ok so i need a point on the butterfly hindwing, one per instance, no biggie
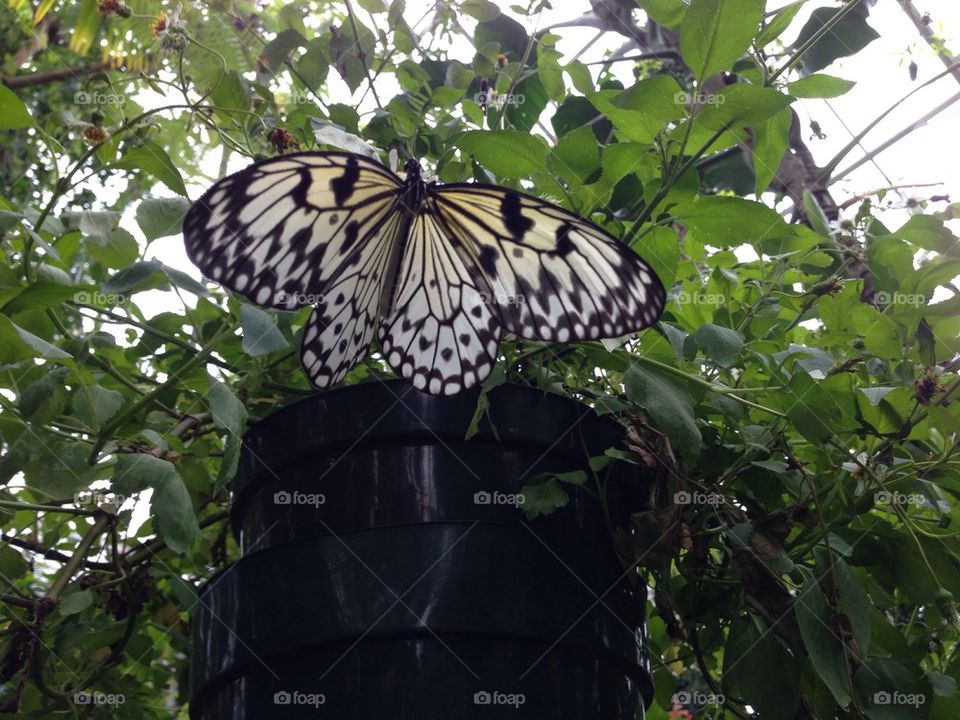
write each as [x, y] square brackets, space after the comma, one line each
[440, 333]
[552, 275]
[280, 231]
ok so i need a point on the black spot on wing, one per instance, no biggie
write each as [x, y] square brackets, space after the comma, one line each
[488, 260]
[342, 187]
[350, 232]
[565, 245]
[513, 218]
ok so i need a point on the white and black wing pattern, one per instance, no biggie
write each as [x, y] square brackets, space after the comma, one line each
[338, 333]
[440, 333]
[552, 275]
[282, 230]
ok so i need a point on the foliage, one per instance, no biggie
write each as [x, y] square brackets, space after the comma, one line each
[795, 406]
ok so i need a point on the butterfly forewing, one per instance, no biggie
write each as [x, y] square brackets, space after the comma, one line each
[552, 275]
[440, 332]
[341, 327]
[282, 230]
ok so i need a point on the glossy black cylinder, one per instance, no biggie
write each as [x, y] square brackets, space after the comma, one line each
[389, 570]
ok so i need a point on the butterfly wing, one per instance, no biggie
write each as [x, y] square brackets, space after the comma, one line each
[341, 327]
[439, 333]
[282, 231]
[551, 275]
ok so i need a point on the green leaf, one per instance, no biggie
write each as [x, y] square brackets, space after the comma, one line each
[822, 643]
[641, 112]
[543, 498]
[117, 250]
[39, 346]
[45, 399]
[779, 23]
[227, 411]
[811, 409]
[278, 50]
[820, 86]
[716, 33]
[260, 332]
[135, 472]
[577, 155]
[771, 138]
[507, 153]
[153, 160]
[94, 405]
[75, 602]
[668, 13]
[847, 37]
[670, 406]
[720, 344]
[482, 10]
[743, 104]
[161, 217]
[730, 221]
[13, 113]
[173, 512]
[12, 566]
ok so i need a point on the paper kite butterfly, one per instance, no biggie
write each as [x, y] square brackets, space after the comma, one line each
[438, 272]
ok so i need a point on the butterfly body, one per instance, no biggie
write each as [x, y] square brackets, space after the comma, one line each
[435, 271]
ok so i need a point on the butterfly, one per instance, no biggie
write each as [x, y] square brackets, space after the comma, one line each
[437, 271]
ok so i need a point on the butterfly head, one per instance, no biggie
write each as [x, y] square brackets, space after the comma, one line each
[412, 169]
